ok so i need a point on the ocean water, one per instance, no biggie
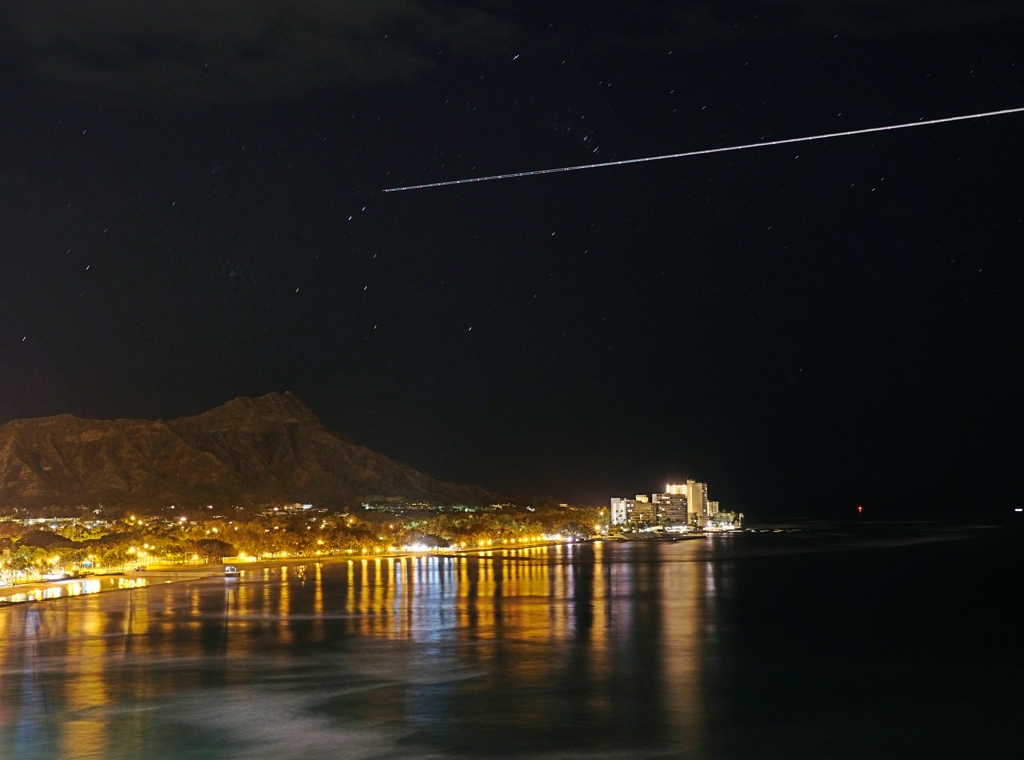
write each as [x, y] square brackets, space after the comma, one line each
[840, 642]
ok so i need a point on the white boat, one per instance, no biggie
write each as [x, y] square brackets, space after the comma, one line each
[230, 571]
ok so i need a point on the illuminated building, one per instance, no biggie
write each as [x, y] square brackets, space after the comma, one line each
[681, 505]
[638, 510]
[618, 511]
[697, 501]
[672, 505]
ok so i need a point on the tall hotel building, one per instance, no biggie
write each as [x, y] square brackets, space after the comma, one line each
[673, 505]
[682, 504]
[697, 499]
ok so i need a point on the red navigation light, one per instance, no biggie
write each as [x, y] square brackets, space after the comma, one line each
[860, 509]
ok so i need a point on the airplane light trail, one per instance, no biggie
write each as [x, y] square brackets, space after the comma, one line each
[709, 151]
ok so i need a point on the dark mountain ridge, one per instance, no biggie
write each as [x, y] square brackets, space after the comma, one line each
[270, 449]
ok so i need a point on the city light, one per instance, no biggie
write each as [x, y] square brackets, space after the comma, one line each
[683, 507]
[268, 536]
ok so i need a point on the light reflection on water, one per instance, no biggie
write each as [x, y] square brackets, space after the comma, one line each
[841, 645]
[530, 650]
[72, 588]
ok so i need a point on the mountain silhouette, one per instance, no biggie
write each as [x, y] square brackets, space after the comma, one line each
[249, 451]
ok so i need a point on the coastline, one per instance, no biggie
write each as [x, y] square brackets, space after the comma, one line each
[68, 588]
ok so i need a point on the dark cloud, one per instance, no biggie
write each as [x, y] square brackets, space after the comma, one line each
[253, 50]
[704, 24]
[241, 49]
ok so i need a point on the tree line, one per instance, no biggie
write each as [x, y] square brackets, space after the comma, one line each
[134, 541]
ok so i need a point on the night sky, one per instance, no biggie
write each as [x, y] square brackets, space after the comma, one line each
[191, 210]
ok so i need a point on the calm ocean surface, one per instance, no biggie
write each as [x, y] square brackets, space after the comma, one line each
[880, 642]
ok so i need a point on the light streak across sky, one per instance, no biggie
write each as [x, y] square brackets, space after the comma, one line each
[687, 154]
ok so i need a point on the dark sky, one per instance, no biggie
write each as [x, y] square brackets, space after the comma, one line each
[191, 210]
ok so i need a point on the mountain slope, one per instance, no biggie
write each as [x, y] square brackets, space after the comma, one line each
[250, 450]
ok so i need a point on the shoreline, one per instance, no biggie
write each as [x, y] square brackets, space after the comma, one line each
[45, 591]
[69, 588]
[102, 583]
